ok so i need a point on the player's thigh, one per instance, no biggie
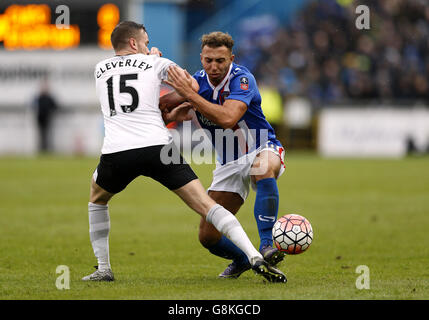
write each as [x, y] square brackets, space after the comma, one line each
[116, 170]
[267, 164]
[173, 174]
[233, 179]
[108, 178]
[231, 201]
[195, 196]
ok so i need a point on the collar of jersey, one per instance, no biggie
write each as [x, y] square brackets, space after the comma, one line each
[220, 85]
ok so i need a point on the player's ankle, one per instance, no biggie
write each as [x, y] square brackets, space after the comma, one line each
[104, 266]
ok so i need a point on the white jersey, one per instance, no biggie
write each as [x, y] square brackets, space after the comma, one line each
[128, 89]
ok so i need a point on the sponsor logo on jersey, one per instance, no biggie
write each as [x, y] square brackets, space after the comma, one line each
[206, 121]
[244, 83]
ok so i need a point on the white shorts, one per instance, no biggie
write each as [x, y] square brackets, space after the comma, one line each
[234, 176]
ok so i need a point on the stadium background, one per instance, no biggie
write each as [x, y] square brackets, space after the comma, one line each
[350, 105]
[326, 85]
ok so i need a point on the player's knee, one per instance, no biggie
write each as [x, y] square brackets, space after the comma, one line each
[207, 242]
[269, 173]
[267, 165]
[99, 201]
[98, 195]
[98, 198]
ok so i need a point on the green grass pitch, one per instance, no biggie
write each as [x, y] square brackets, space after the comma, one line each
[363, 212]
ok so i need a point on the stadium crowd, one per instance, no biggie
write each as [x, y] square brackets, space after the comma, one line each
[323, 56]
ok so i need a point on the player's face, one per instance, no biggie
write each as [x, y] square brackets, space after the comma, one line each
[216, 62]
[142, 42]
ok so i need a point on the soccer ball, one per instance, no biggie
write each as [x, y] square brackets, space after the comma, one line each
[292, 234]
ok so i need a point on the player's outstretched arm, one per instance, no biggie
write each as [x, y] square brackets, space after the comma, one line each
[178, 114]
[170, 100]
[226, 117]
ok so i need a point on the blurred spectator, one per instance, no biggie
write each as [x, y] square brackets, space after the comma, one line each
[272, 106]
[45, 107]
[323, 56]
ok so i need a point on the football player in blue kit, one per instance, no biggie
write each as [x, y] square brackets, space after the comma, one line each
[228, 98]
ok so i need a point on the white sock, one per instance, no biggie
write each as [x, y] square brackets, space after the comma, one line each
[226, 223]
[99, 227]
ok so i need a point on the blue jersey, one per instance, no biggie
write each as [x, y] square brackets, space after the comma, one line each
[252, 130]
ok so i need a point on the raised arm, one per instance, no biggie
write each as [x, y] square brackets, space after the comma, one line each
[226, 115]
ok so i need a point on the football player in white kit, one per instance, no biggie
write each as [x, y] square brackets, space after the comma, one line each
[128, 87]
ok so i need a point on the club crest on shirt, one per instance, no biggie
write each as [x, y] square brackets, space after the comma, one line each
[244, 83]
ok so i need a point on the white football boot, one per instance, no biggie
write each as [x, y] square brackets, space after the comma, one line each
[98, 275]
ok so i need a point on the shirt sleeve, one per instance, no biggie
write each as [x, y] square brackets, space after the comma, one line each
[162, 67]
[242, 88]
[199, 75]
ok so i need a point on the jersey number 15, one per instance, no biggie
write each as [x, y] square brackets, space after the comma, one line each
[123, 88]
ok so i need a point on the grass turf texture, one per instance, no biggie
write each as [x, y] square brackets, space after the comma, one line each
[363, 212]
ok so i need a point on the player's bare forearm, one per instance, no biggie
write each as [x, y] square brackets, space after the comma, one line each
[178, 114]
[226, 115]
[170, 100]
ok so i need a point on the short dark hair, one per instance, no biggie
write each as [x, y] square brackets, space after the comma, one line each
[123, 32]
[217, 39]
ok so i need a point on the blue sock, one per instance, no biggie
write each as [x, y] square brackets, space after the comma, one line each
[266, 209]
[225, 248]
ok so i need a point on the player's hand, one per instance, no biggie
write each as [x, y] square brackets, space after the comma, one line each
[179, 114]
[180, 80]
[155, 51]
